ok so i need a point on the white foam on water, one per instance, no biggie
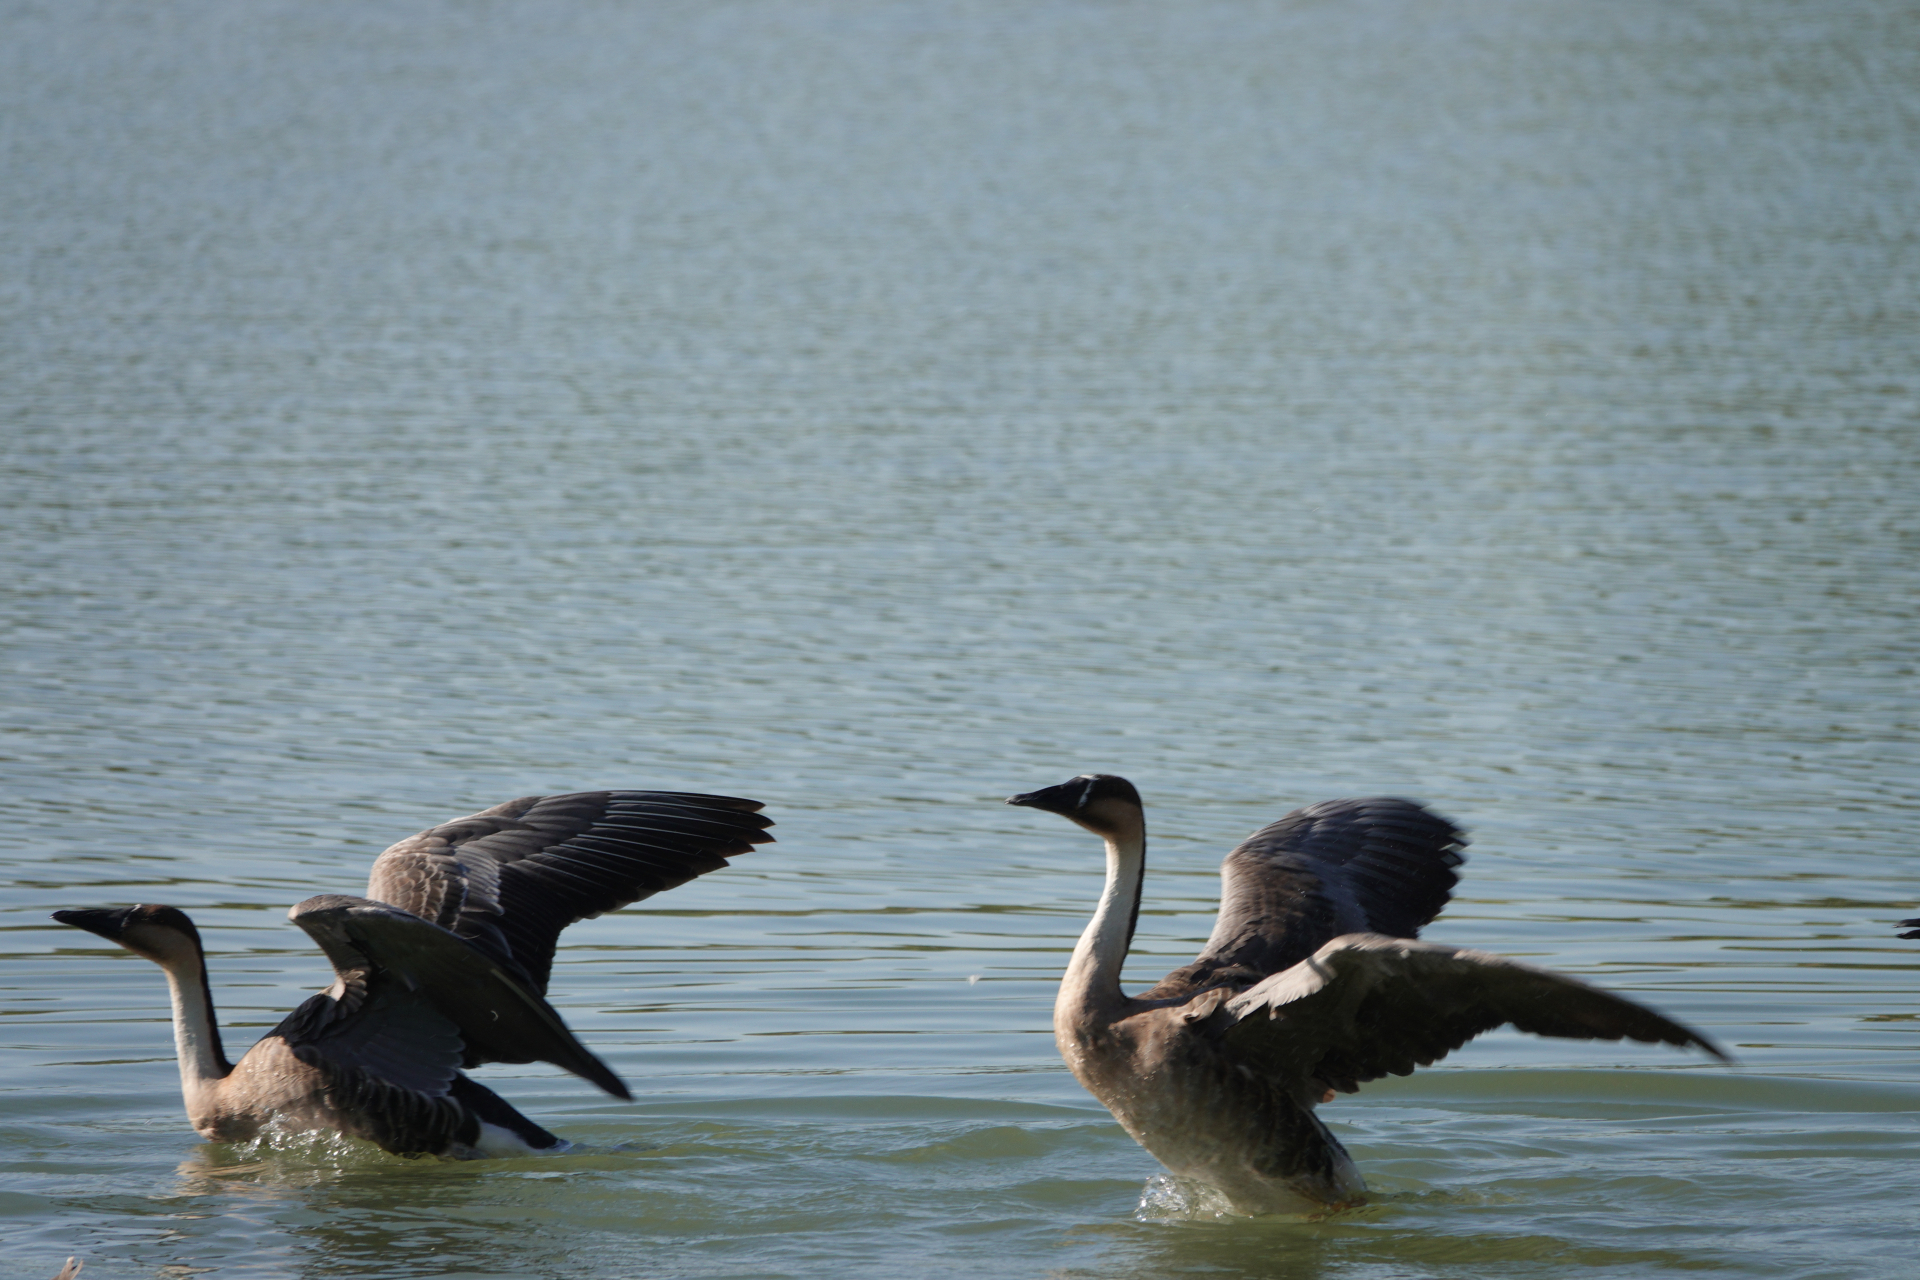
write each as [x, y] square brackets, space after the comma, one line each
[1167, 1198]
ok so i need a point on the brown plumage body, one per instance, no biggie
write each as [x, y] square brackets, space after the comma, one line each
[1310, 984]
[1203, 1115]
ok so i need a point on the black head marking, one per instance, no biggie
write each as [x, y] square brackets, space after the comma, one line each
[1075, 794]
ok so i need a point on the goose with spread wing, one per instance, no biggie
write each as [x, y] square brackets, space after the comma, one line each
[441, 967]
[1311, 982]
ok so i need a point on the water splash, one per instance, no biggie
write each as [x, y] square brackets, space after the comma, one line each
[321, 1147]
[1167, 1198]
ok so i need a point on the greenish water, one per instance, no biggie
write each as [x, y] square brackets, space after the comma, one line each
[877, 409]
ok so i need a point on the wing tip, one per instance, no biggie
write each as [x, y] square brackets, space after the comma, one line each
[596, 1072]
[1695, 1040]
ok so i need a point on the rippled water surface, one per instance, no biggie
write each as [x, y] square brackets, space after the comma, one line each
[876, 409]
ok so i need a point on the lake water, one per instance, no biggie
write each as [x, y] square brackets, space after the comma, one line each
[878, 409]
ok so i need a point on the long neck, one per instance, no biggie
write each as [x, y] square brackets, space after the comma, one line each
[1092, 981]
[195, 1037]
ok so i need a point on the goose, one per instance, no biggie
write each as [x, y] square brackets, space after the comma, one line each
[441, 967]
[1311, 982]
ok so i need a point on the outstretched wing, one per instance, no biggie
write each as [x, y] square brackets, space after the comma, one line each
[1365, 1006]
[1375, 865]
[497, 1017]
[1912, 928]
[510, 878]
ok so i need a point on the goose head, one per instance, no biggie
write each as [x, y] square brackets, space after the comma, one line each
[161, 934]
[1104, 803]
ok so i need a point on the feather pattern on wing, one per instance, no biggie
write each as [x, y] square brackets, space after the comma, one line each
[510, 878]
[1365, 1006]
[1375, 865]
[398, 1119]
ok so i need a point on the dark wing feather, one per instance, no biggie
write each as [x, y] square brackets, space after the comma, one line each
[1912, 927]
[387, 1061]
[399, 1120]
[1375, 865]
[370, 1022]
[510, 878]
[1365, 1006]
[498, 1018]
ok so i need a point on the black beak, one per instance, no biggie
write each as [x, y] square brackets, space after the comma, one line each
[1063, 799]
[108, 922]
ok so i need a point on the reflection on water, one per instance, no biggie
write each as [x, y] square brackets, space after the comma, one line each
[878, 410]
